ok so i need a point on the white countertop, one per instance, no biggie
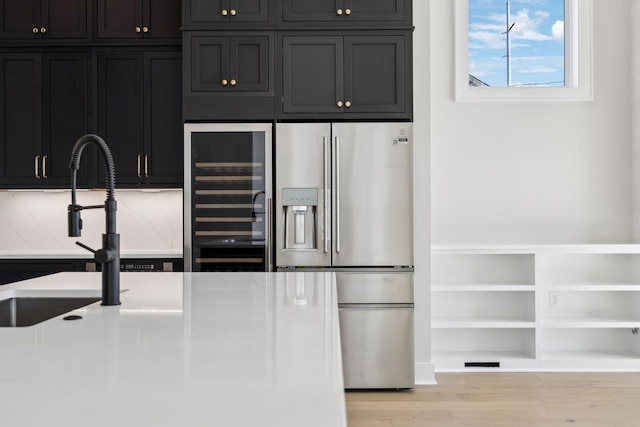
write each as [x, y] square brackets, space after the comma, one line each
[84, 254]
[183, 349]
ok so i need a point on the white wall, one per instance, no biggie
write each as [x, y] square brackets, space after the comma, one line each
[533, 172]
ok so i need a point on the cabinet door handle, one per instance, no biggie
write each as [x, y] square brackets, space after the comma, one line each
[339, 104]
[347, 11]
[347, 104]
[139, 158]
[35, 30]
[233, 12]
[224, 12]
[233, 82]
[339, 12]
[36, 167]
[138, 29]
[145, 29]
[44, 167]
[146, 165]
[224, 82]
[43, 30]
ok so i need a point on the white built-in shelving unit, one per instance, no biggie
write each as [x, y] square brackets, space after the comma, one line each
[536, 307]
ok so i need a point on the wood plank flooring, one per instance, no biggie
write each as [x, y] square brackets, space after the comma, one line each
[504, 400]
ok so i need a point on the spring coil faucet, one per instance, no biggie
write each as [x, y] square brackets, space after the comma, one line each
[109, 255]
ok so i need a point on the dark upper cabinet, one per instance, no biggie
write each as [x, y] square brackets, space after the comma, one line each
[140, 117]
[43, 19]
[137, 19]
[229, 75]
[347, 12]
[207, 14]
[43, 111]
[347, 77]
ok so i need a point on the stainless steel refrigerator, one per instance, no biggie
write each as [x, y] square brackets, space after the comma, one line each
[344, 201]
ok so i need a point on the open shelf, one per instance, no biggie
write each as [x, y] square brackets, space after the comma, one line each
[536, 308]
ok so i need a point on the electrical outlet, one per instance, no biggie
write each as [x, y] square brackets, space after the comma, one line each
[554, 299]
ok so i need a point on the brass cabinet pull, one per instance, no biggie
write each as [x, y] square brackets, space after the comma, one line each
[224, 12]
[43, 30]
[35, 30]
[224, 82]
[145, 29]
[233, 12]
[36, 167]
[347, 104]
[339, 104]
[139, 157]
[146, 165]
[347, 11]
[339, 12]
[233, 82]
[138, 29]
[44, 167]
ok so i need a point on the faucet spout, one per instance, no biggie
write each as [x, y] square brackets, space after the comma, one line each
[109, 255]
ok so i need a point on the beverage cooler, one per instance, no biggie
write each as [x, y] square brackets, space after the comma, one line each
[227, 197]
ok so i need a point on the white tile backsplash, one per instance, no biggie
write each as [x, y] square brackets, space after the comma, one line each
[37, 220]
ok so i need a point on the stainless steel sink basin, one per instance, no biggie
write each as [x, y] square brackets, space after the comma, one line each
[30, 310]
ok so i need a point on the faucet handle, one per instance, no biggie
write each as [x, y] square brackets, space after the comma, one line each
[101, 255]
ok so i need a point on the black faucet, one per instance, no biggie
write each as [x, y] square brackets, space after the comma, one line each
[109, 255]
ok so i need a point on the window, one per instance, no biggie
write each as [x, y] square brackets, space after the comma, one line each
[542, 52]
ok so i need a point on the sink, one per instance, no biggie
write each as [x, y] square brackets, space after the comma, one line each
[29, 310]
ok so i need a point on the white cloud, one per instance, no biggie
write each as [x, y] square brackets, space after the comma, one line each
[558, 30]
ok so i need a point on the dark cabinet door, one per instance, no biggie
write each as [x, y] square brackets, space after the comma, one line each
[135, 19]
[347, 77]
[312, 74]
[43, 113]
[163, 138]
[375, 74]
[227, 11]
[64, 19]
[120, 113]
[43, 19]
[140, 116]
[20, 119]
[229, 75]
[361, 12]
[64, 116]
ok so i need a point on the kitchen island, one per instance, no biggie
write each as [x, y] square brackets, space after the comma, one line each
[183, 349]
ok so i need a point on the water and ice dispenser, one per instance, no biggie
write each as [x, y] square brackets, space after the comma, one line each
[300, 210]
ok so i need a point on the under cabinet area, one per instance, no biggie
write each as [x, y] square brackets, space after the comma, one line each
[528, 308]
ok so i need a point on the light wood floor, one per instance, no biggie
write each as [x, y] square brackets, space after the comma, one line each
[504, 400]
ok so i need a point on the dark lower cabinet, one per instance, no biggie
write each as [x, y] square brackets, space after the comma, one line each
[43, 111]
[43, 19]
[140, 116]
[229, 75]
[347, 77]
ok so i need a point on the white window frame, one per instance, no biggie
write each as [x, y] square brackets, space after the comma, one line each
[578, 64]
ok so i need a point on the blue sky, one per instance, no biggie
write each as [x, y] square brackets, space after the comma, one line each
[537, 42]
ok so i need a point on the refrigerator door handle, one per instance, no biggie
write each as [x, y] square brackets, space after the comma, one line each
[269, 266]
[325, 147]
[337, 190]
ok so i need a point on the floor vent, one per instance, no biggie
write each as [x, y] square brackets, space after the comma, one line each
[481, 364]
